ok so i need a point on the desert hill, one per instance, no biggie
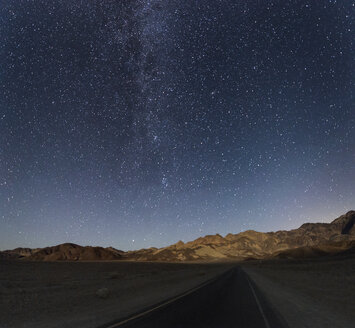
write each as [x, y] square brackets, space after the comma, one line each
[313, 238]
[73, 252]
[331, 248]
[309, 240]
[17, 253]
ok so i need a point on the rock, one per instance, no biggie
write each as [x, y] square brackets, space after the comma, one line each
[103, 293]
[114, 275]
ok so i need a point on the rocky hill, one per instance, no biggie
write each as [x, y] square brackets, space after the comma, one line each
[17, 253]
[309, 240]
[73, 252]
[332, 248]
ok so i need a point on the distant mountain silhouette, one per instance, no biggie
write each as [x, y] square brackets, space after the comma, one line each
[17, 253]
[73, 252]
[309, 240]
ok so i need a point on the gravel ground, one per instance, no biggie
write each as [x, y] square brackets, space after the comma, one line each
[317, 293]
[89, 294]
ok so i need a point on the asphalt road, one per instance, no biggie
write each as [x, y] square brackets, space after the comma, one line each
[232, 300]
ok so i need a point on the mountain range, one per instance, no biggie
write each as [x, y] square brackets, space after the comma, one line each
[309, 240]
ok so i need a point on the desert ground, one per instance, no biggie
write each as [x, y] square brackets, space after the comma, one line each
[64, 294]
[309, 293]
[318, 292]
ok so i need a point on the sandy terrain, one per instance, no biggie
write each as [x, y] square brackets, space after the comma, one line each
[309, 293]
[63, 294]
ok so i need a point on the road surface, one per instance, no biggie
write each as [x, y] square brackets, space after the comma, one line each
[231, 300]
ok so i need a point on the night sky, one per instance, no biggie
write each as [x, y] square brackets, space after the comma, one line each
[138, 123]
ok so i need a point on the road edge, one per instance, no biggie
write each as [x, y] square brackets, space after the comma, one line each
[265, 301]
[120, 322]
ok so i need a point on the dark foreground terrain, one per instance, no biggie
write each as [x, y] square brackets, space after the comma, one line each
[90, 294]
[309, 293]
[316, 292]
[231, 300]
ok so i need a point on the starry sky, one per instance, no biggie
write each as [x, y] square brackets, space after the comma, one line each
[142, 122]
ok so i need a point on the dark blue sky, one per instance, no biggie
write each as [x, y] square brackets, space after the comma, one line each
[139, 123]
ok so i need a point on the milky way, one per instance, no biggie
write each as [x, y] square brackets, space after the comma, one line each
[139, 123]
